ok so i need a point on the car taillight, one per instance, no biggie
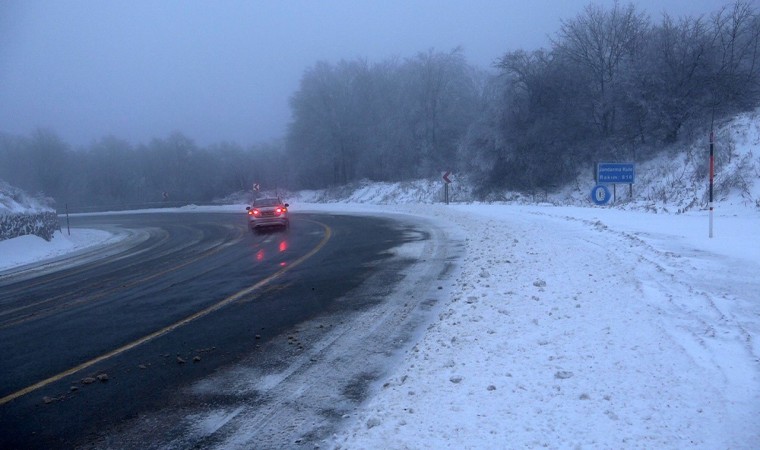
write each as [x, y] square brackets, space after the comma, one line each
[254, 212]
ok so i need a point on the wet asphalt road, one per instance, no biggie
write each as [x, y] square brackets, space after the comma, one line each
[91, 345]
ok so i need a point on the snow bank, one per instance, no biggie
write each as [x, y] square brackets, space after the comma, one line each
[32, 249]
[581, 327]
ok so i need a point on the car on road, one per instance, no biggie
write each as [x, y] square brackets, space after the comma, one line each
[268, 212]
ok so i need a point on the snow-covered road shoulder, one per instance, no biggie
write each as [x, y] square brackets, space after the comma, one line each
[582, 327]
[21, 251]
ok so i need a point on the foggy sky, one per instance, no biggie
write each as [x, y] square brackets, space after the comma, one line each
[224, 70]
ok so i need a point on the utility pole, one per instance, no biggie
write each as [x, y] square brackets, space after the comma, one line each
[712, 175]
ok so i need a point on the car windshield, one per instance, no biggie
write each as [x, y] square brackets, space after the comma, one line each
[267, 202]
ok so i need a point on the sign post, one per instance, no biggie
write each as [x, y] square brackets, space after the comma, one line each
[614, 173]
[68, 224]
[446, 182]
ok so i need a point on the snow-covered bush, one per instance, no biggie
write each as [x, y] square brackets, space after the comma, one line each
[43, 224]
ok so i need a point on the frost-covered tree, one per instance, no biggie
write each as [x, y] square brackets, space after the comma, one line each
[602, 41]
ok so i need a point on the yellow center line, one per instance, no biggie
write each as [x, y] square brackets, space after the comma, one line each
[232, 298]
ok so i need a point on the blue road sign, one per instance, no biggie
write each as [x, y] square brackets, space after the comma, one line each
[600, 194]
[611, 173]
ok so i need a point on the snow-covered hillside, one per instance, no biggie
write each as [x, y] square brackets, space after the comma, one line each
[678, 181]
[16, 201]
[675, 181]
[22, 215]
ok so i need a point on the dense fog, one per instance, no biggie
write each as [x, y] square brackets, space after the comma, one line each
[612, 85]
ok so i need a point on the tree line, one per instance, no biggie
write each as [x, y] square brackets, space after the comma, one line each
[112, 172]
[613, 85]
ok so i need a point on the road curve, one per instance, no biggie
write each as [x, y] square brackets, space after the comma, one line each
[92, 343]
